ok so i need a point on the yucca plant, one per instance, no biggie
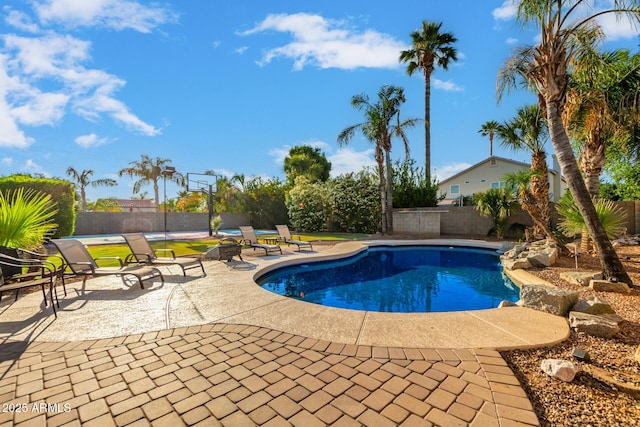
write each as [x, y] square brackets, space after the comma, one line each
[25, 218]
[571, 222]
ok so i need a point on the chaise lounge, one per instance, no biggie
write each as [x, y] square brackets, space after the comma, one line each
[81, 263]
[143, 253]
[285, 236]
[249, 239]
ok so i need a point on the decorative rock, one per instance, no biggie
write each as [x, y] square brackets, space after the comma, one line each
[547, 298]
[606, 286]
[598, 326]
[545, 257]
[560, 369]
[593, 305]
[536, 254]
[581, 278]
[515, 264]
[613, 317]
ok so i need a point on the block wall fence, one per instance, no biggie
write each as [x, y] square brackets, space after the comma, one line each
[421, 222]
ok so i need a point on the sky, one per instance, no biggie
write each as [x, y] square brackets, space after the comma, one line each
[232, 86]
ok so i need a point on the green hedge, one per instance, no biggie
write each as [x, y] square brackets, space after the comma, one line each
[62, 194]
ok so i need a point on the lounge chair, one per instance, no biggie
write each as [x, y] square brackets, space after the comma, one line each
[27, 273]
[143, 253]
[32, 257]
[285, 236]
[81, 263]
[249, 239]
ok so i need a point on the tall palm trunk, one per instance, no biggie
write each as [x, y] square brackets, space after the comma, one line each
[83, 196]
[383, 193]
[540, 190]
[389, 196]
[427, 123]
[611, 265]
[592, 160]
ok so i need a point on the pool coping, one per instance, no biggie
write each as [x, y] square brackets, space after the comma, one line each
[500, 328]
[229, 294]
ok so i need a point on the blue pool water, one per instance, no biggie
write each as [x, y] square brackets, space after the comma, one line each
[406, 279]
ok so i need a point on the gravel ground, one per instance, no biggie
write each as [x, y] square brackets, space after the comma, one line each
[586, 401]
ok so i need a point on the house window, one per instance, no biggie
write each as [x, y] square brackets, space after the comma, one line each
[493, 163]
[498, 184]
[454, 189]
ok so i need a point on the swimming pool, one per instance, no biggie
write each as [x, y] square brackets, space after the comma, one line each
[406, 279]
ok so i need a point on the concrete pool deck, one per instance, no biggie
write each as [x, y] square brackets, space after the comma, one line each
[121, 322]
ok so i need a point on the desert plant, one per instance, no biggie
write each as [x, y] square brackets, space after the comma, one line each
[571, 222]
[216, 223]
[26, 218]
[498, 204]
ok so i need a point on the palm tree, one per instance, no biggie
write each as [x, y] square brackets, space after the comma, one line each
[498, 204]
[83, 179]
[597, 112]
[429, 48]
[150, 171]
[546, 67]
[528, 131]
[379, 128]
[519, 183]
[489, 129]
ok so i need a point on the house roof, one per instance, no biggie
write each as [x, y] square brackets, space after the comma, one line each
[136, 203]
[479, 164]
[487, 160]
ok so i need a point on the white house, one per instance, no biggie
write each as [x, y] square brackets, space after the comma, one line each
[489, 174]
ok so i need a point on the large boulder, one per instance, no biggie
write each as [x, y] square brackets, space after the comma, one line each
[581, 278]
[537, 254]
[590, 324]
[549, 299]
[593, 305]
[606, 286]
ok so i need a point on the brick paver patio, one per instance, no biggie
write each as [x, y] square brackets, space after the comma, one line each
[238, 375]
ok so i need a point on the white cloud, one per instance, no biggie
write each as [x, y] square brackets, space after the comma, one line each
[279, 154]
[90, 140]
[6, 161]
[447, 171]
[328, 43]
[616, 29]
[613, 27]
[241, 50]
[114, 14]
[346, 160]
[506, 11]
[511, 41]
[448, 86]
[20, 21]
[57, 62]
[32, 167]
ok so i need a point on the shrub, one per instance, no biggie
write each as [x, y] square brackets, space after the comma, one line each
[26, 218]
[571, 222]
[411, 189]
[355, 203]
[309, 205]
[62, 195]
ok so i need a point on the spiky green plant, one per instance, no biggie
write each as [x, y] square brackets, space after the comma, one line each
[216, 223]
[498, 204]
[571, 222]
[25, 218]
